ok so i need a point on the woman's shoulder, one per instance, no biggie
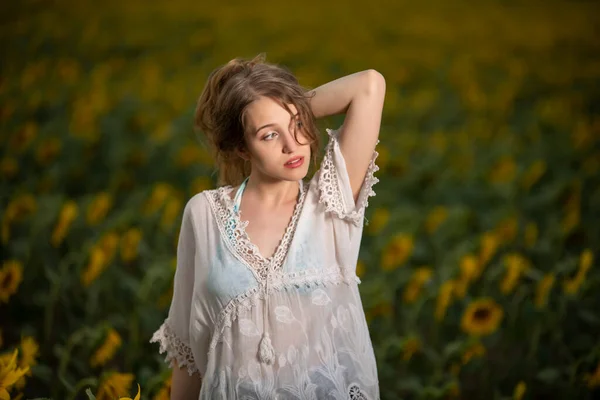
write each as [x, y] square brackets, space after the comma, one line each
[201, 200]
[198, 202]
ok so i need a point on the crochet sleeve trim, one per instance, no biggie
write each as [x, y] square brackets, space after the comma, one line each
[175, 348]
[329, 183]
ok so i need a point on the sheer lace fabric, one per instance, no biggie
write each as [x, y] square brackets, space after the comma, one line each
[334, 183]
[176, 349]
[315, 317]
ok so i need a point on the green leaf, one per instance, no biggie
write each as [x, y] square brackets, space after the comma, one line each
[589, 317]
[411, 384]
[452, 348]
[548, 375]
[432, 392]
[43, 372]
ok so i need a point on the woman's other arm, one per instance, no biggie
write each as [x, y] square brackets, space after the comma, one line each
[184, 386]
[360, 96]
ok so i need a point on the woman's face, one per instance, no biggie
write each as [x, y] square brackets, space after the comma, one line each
[270, 133]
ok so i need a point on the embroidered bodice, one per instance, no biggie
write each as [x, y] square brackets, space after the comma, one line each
[290, 326]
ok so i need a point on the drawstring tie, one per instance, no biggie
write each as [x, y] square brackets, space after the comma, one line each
[266, 352]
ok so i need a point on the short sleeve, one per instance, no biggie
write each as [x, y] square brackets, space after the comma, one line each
[335, 191]
[173, 335]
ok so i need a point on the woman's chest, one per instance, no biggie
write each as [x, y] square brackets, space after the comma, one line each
[298, 245]
[232, 272]
[266, 227]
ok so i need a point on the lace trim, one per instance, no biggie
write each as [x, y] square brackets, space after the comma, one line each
[233, 230]
[330, 192]
[175, 348]
[355, 392]
[311, 277]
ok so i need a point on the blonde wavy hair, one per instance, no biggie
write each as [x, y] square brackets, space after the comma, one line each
[221, 108]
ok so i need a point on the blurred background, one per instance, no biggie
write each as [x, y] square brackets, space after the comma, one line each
[479, 263]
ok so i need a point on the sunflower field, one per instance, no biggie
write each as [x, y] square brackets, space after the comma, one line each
[479, 260]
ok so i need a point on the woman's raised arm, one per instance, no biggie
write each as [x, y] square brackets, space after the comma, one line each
[360, 96]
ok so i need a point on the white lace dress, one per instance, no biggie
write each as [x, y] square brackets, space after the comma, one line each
[224, 289]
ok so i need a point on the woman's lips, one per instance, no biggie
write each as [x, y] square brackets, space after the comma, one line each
[295, 164]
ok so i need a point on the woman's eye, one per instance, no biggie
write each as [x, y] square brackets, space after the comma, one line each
[266, 136]
[299, 124]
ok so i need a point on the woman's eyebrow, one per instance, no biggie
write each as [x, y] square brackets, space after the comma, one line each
[272, 124]
[264, 126]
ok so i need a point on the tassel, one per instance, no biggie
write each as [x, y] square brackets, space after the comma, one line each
[266, 353]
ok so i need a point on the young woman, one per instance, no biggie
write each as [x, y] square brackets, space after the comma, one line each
[267, 306]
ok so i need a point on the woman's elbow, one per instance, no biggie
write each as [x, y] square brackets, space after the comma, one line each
[375, 82]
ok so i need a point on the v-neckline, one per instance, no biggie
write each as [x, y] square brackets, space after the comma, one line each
[245, 246]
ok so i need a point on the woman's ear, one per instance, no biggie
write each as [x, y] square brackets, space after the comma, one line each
[243, 154]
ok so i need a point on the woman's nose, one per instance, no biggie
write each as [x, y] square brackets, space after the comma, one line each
[289, 141]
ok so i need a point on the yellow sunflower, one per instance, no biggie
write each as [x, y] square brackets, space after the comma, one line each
[593, 380]
[200, 184]
[419, 278]
[10, 373]
[571, 285]
[189, 155]
[411, 346]
[137, 396]
[519, 391]
[113, 385]
[435, 218]
[543, 290]
[397, 251]
[360, 269]
[130, 244]
[379, 220]
[482, 317]
[98, 208]
[515, 265]
[165, 390]
[11, 276]
[107, 350]
[533, 173]
[488, 245]
[109, 243]
[531, 234]
[96, 265]
[160, 194]
[444, 299]
[507, 229]
[8, 167]
[475, 350]
[47, 151]
[172, 208]
[67, 215]
[29, 353]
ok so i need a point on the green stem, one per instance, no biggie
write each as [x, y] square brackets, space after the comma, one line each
[537, 330]
[63, 268]
[75, 338]
[133, 337]
[80, 385]
[65, 383]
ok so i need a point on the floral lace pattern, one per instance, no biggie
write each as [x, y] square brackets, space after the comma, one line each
[233, 231]
[175, 348]
[338, 364]
[330, 192]
[355, 393]
[308, 278]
